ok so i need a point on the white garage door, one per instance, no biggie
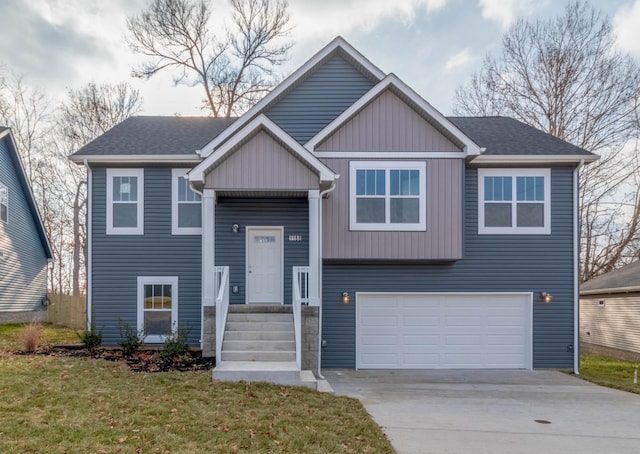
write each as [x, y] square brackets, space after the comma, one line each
[440, 331]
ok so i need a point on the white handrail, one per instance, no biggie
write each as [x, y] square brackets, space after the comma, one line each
[300, 296]
[221, 281]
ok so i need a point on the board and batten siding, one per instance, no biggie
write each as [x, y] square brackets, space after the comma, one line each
[613, 324]
[320, 98]
[118, 260]
[490, 263]
[230, 248]
[262, 163]
[442, 239]
[387, 124]
[23, 261]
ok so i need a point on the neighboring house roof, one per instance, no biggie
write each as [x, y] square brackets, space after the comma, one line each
[147, 136]
[5, 134]
[501, 136]
[622, 280]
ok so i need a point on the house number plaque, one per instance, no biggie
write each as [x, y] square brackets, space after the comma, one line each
[295, 237]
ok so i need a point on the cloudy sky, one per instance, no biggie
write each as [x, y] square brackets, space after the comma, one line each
[433, 45]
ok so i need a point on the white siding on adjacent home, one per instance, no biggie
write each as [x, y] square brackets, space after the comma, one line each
[442, 239]
[613, 324]
[262, 163]
[387, 124]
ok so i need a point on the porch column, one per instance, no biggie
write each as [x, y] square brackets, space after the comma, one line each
[314, 247]
[208, 247]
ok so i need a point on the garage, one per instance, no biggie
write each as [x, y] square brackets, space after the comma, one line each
[443, 330]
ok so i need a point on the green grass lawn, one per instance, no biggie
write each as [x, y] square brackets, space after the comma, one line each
[610, 372]
[66, 405]
[49, 334]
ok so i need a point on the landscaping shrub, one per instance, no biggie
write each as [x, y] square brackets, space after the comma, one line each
[30, 337]
[91, 338]
[175, 345]
[130, 339]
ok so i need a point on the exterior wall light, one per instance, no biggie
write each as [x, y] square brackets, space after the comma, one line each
[345, 298]
[235, 228]
[546, 297]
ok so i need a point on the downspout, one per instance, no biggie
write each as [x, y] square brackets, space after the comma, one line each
[320, 235]
[194, 189]
[576, 270]
[89, 263]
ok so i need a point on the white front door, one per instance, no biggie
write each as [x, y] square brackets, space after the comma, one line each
[264, 265]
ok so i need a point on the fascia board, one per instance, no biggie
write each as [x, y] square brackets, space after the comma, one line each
[338, 42]
[533, 159]
[137, 158]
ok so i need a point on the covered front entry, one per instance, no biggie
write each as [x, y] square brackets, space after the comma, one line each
[264, 265]
[445, 330]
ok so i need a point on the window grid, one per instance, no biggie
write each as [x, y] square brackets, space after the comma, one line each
[527, 199]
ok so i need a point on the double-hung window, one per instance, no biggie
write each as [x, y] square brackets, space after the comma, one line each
[4, 203]
[387, 195]
[125, 201]
[186, 213]
[514, 201]
[157, 307]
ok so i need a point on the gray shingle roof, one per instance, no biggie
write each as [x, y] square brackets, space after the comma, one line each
[147, 135]
[625, 277]
[506, 136]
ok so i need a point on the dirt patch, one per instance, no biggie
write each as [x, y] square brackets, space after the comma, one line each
[140, 361]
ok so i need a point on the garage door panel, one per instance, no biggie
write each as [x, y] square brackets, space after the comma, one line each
[443, 331]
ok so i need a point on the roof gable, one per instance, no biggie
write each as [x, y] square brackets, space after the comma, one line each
[411, 99]
[261, 123]
[336, 47]
[7, 137]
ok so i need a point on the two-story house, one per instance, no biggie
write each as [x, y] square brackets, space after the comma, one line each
[397, 237]
[24, 248]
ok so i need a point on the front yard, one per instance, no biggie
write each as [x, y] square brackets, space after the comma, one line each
[60, 405]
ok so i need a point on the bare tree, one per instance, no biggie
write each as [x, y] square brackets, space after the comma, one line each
[236, 68]
[565, 77]
[87, 113]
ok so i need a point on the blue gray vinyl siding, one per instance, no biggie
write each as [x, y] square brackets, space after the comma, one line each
[490, 263]
[293, 214]
[320, 98]
[118, 260]
[23, 261]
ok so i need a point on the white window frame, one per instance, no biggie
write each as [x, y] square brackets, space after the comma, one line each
[5, 189]
[157, 280]
[420, 166]
[175, 229]
[139, 230]
[514, 229]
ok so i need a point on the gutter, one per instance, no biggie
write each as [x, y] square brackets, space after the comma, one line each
[603, 291]
[320, 235]
[576, 270]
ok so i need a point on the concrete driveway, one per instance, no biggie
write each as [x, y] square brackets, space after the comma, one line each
[494, 411]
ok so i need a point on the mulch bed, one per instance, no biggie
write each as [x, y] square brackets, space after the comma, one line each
[140, 361]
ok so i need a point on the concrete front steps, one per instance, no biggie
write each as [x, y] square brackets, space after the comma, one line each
[259, 346]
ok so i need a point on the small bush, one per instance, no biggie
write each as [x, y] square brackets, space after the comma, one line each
[130, 339]
[91, 338]
[175, 345]
[30, 337]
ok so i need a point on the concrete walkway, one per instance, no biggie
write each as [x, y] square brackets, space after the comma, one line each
[494, 411]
